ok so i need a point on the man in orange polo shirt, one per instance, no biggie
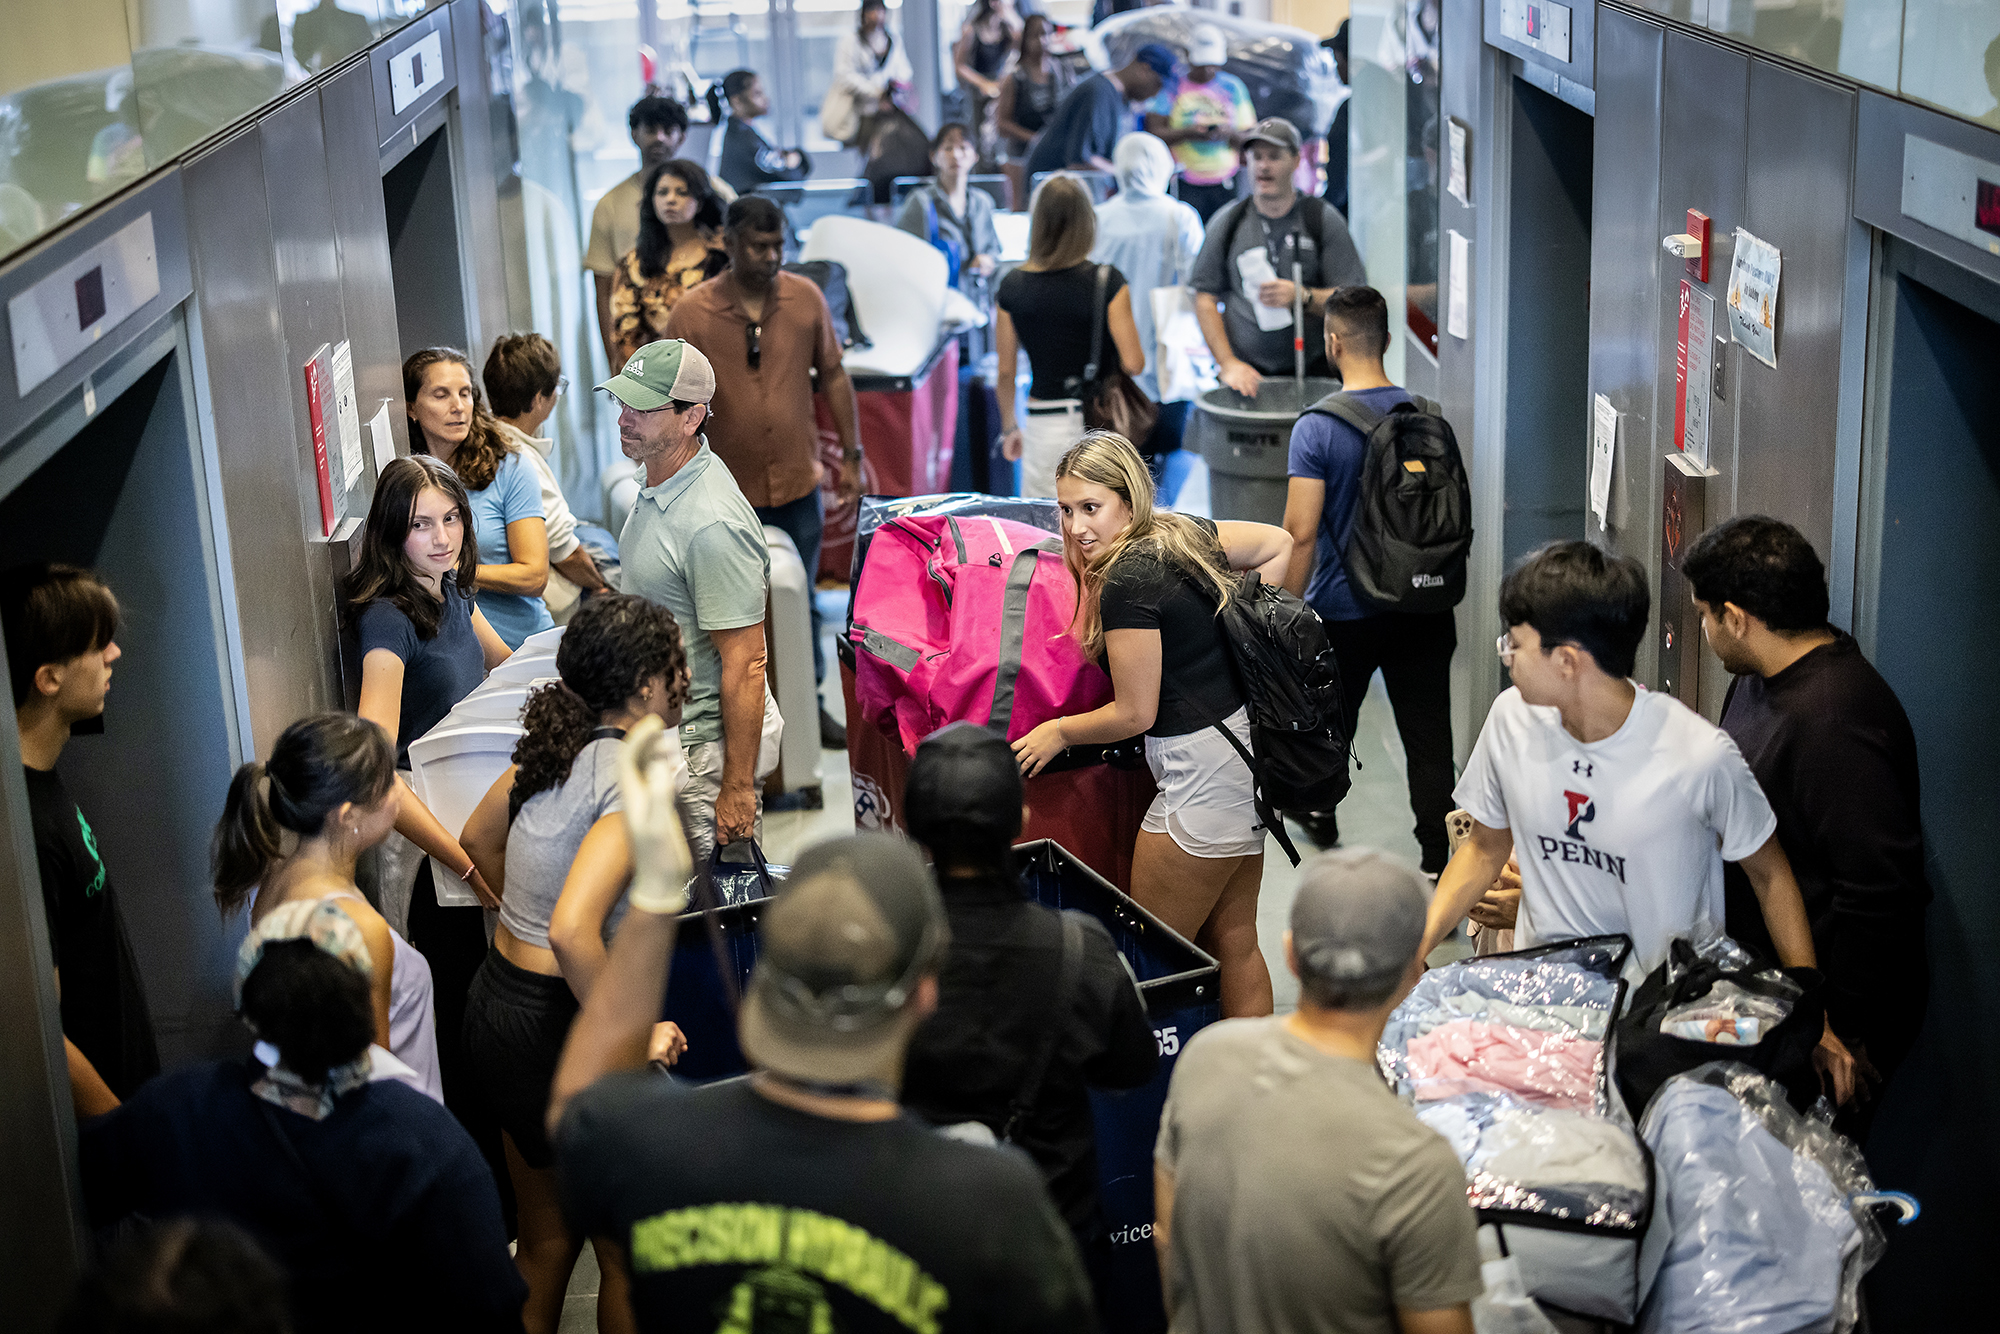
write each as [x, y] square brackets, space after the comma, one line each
[765, 332]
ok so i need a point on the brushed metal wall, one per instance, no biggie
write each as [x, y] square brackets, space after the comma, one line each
[1684, 123]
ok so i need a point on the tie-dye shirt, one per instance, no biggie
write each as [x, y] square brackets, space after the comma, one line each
[1221, 101]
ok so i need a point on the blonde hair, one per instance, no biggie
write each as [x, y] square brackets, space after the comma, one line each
[1107, 459]
[1063, 227]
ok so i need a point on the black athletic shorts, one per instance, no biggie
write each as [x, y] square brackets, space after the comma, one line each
[515, 1023]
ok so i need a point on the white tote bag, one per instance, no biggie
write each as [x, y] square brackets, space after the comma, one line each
[1185, 367]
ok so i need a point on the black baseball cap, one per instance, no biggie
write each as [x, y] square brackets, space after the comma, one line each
[964, 776]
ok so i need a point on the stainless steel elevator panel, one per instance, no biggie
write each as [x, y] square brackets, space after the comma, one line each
[256, 395]
[309, 292]
[1625, 281]
[347, 119]
[1704, 98]
[1801, 151]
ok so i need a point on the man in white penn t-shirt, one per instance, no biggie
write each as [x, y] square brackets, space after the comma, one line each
[1621, 803]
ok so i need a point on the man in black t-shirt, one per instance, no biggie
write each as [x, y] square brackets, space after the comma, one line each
[1833, 750]
[998, 995]
[803, 1197]
[59, 622]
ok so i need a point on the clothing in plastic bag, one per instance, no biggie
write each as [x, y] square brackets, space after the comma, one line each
[1729, 1015]
[1550, 1161]
[1504, 1055]
[1563, 991]
[1766, 1236]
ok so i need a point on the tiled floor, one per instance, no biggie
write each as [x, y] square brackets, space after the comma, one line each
[1376, 813]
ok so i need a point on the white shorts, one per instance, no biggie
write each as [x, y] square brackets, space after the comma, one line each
[1045, 437]
[1207, 800]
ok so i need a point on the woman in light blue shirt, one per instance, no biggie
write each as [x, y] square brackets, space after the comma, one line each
[449, 421]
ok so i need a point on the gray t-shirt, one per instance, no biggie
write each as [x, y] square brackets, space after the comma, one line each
[1307, 1198]
[545, 836]
[694, 545]
[1327, 259]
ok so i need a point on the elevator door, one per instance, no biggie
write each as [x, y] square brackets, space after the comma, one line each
[1548, 322]
[121, 497]
[1937, 640]
[422, 212]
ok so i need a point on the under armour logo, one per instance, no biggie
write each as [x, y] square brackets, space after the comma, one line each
[1579, 767]
[1582, 810]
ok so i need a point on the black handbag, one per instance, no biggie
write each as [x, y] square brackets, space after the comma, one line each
[1648, 1058]
[1111, 401]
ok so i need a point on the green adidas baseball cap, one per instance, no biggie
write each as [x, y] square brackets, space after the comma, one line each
[661, 372]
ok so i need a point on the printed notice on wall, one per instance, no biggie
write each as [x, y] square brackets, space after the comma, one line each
[1603, 442]
[1458, 304]
[347, 415]
[1753, 297]
[385, 443]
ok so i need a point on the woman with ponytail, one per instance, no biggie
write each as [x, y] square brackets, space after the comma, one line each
[565, 879]
[291, 831]
[1149, 585]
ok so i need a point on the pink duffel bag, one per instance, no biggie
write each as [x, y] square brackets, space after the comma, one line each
[966, 618]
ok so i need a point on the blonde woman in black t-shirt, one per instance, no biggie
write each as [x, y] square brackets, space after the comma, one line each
[1149, 585]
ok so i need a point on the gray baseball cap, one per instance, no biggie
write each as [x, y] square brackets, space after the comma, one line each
[1275, 131]
[1358, 917]
[857, 925]
[661, 372]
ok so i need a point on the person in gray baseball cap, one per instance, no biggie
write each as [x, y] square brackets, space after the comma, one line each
[805, 1191]
[1294, 1190]
[693, 544]
[1244, 277]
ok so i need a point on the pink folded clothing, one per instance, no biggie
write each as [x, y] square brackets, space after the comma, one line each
[1475, 1055]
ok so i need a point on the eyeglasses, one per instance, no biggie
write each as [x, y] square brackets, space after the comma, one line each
[562, 385]
[752, 332]
[1505, 648]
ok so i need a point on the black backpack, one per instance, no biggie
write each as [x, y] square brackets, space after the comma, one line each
[830, 276]
[1290, 684]
[1413, 518]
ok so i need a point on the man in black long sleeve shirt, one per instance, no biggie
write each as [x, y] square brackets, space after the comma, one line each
[998, 989]
[1833, 750]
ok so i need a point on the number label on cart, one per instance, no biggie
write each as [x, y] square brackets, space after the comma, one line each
[1169, 1039]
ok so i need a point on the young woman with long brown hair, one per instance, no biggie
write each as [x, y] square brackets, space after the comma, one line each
[1047, 308]
[424, 646]
[449, 422]
[1149, 585]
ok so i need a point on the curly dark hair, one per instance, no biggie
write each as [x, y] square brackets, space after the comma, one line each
[614, 645]
[477, 461]
[655, 246]
[1763, 565]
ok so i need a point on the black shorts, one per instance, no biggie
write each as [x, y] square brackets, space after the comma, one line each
[515, 1024]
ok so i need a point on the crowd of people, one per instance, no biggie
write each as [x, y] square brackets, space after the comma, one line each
[914, 1147]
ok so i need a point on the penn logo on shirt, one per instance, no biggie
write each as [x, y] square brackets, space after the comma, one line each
[1573, 847]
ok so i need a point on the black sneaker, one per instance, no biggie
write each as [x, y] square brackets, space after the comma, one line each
[832, 736]
[1322, 827]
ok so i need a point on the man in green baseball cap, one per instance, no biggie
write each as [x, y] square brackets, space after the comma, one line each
[669, 371]
[694, 545]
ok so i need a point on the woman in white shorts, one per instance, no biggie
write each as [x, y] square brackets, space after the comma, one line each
[1149, 585]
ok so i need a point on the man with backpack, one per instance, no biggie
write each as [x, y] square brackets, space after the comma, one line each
[1377, 617]
[1243, 276]
[1035, 1008]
